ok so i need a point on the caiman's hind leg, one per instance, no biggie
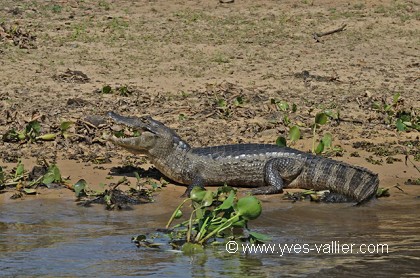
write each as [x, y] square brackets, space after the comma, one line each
[276, 172]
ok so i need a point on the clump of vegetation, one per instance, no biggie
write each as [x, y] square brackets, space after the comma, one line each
[24, 182]
[112, 197]
[32, 133]
[225, 107]
[214, 215]
[396, 114]
[325, 143]
[124, 91]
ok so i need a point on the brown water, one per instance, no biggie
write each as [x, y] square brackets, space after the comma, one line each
[56, 238]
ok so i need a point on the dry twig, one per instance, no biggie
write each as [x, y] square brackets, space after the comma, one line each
[318, 35]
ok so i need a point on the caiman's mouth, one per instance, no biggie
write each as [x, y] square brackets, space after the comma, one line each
[130, 135]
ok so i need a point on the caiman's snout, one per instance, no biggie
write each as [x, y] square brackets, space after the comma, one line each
[134, 122]
[135, 144]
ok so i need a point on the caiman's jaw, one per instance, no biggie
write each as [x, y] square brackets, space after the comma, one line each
[137, 144]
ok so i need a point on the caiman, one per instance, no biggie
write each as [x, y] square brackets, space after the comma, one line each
[265, 168]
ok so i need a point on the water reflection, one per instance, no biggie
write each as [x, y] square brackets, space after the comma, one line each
[57, 238]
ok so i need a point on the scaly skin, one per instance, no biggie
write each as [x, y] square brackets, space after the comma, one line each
[266, 168]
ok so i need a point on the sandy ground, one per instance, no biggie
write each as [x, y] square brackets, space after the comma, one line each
[214, 72]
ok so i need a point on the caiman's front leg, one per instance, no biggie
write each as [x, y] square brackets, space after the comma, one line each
[276, 172]
[197, 181]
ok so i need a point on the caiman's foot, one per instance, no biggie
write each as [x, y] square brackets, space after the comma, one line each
[266, 190]
[186, 193]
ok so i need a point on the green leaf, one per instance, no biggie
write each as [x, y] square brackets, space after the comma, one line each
[331, 113]
[182, 117]
[286, 120]
[65, 125]
[29, 191]
[320, 148]
[33, 126]
[395, 98]
[382, 192]
[282, 105]
[178, 214]
[327, 140]
[249, 207]
[259, 237]
[208, 199]
[79, 187]
[47, 137]
[227, 204]
[294, 133]
[321, 118]
[106, 89]
[400, 125]
[221, 103]
[281, 141]
[136, 174]
[294, 107]
[192, 248]
[197, 194]
[376, 105]
[20, 169]
[53, 175]
[241, 223]
[238, 101]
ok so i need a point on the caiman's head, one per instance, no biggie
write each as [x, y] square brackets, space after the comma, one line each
[154, 138]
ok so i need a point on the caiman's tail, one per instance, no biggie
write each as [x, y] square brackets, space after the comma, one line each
[355, 182]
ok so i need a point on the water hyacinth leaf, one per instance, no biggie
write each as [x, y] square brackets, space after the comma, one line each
[225, 189]
[192, 248]
[281, 141]
[320, 148]
[79, 187]
[331, 113]
[228, 202]
[241, 223]
[321, 118]
[207, 199]
[327, 140]
[400, 125]
[33, 127]
[259, 237]
[20, 169]
[22, 136]
[249, 207]
[382, 192]
[178, 214]
[47, 137]
[53, 175]
[282, 105]
[197, 194]
[65, 125]
[29, 191]
[396, 97]
[294, 133]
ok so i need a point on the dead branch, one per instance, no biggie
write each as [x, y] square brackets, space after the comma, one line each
[318, 35]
